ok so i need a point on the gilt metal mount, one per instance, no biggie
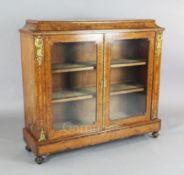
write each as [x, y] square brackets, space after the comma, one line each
[39, 49]
[42, 136]
[158, 44]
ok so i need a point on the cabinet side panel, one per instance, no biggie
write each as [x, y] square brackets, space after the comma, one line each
[28, 75]
[156, 73]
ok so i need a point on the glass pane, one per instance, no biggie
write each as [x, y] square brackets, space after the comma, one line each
[127, 105]
[129, 60]
[73, 114]
[73, 84]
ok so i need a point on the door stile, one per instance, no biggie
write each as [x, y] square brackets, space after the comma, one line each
[99, 85]
[106, 90]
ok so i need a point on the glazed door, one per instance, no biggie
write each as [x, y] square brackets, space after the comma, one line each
[74, 74]
[128, 76]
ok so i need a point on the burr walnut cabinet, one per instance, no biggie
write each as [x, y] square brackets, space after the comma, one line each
[89, 82]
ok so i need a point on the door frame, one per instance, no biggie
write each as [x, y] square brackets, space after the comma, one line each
[67, 38]
[109, 37]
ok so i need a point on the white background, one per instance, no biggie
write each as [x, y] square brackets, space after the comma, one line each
[139, 155]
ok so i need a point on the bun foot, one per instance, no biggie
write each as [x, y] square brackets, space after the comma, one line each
[27, 149]
[155, 134]
[39, 160]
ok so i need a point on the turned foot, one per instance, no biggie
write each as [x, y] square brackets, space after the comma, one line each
[27, 149]
[39, 159]
[155, 134]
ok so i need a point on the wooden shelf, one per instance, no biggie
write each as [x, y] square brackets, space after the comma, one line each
[127, 62]
[91, 65]
[72, 67]
[88, 93]
[126, 88]
[73, 94]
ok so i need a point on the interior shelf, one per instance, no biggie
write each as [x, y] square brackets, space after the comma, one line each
[73, 94]
[72, 67]
[91, 65]
[126, 88]
[88, 93]
[127, 62]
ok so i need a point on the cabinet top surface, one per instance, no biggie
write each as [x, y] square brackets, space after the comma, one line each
[44, 25]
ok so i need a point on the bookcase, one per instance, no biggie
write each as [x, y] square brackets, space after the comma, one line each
[89, 82]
